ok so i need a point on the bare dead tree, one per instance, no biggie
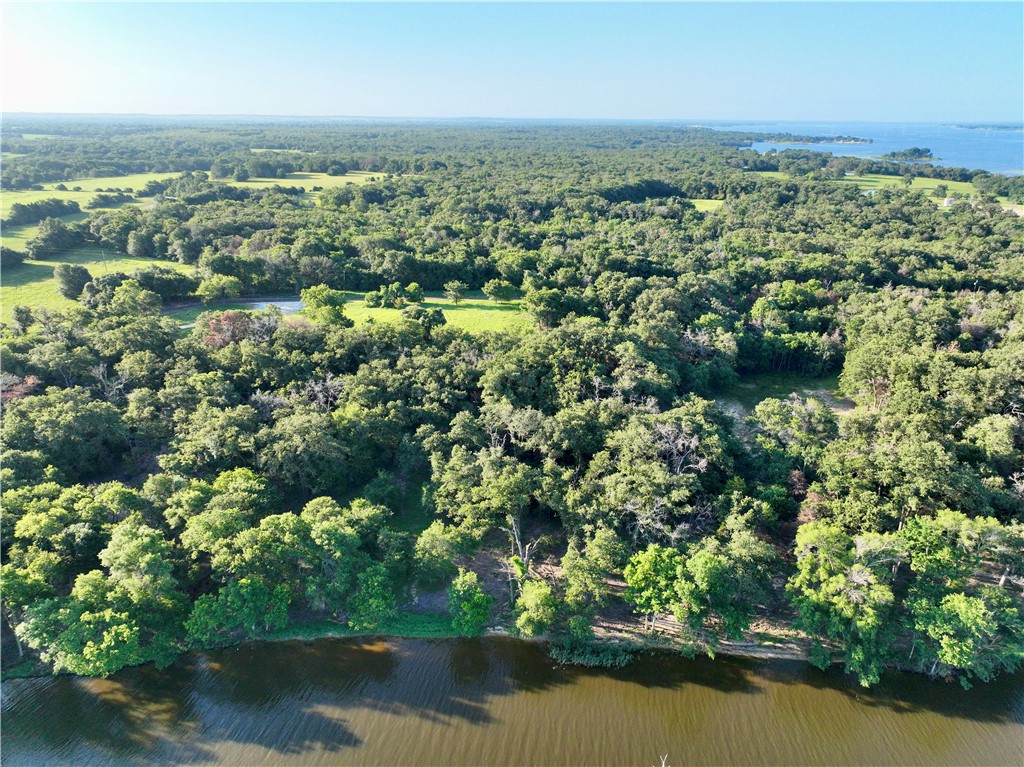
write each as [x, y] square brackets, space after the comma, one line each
[111, 387]
[647, 521]
[524, 551]
[679, 448]
[325, 392]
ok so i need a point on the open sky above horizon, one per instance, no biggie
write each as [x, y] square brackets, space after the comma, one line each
[718, 61]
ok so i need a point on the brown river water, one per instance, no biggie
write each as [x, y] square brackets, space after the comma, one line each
[499, 701]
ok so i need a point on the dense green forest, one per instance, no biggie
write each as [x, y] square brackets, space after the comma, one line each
[167, 488]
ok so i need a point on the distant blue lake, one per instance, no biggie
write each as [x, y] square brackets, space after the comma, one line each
[997, 151]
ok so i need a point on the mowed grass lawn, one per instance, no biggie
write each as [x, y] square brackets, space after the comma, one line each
[474, 313]
[308, 181]
[32, 284]
[927, 185]
[707, 206]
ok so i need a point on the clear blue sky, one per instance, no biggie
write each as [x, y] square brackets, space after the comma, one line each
[729, 61]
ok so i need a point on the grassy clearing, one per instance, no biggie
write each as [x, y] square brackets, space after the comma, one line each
[927, 185]
[707, 206]
[32, 284]
[752, 389]
[475, 314]
[308, 181]
[137, 181]
[89, 187]
[770, 174]
[416, 625]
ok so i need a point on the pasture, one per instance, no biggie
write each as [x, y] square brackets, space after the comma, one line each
[308, 181]
[926, 185]
[32, 284]
[88, 189]
[707, 206]
[16, 236]
[475, 313]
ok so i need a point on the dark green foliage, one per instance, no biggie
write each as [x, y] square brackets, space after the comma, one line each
[10, 258]
[71, 279]
[247, 606]
[323, 471]
[374, 601]
[75, 433]
[54, 236]
[31, 212]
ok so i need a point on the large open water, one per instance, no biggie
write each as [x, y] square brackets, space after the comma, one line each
[997, 151]
[499, 702]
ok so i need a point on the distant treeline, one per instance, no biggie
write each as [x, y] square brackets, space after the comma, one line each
[84, 149]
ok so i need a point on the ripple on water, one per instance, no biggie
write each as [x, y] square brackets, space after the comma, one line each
[498, 701]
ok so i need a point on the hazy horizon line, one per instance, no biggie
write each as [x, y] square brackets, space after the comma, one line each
[694, 121]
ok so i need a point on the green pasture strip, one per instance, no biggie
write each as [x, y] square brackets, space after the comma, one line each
[919, 184]
[307, 180]
[32, 284]
[707, 206]
[474, 314]
[89, 188]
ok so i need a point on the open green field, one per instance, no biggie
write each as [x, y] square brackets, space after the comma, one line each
[308, 181]
[770, 174]
[32, 284]
[89, 186]
[878, 181]
[475, 313]
[16, 236]
[707, 206]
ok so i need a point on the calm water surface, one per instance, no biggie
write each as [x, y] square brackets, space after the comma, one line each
[997, 151]
[498, 701]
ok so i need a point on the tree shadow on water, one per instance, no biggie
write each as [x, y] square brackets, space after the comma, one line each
[668, 670]
[150, 717]
[998, 701]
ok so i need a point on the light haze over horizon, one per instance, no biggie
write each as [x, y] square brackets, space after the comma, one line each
[830, 62]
